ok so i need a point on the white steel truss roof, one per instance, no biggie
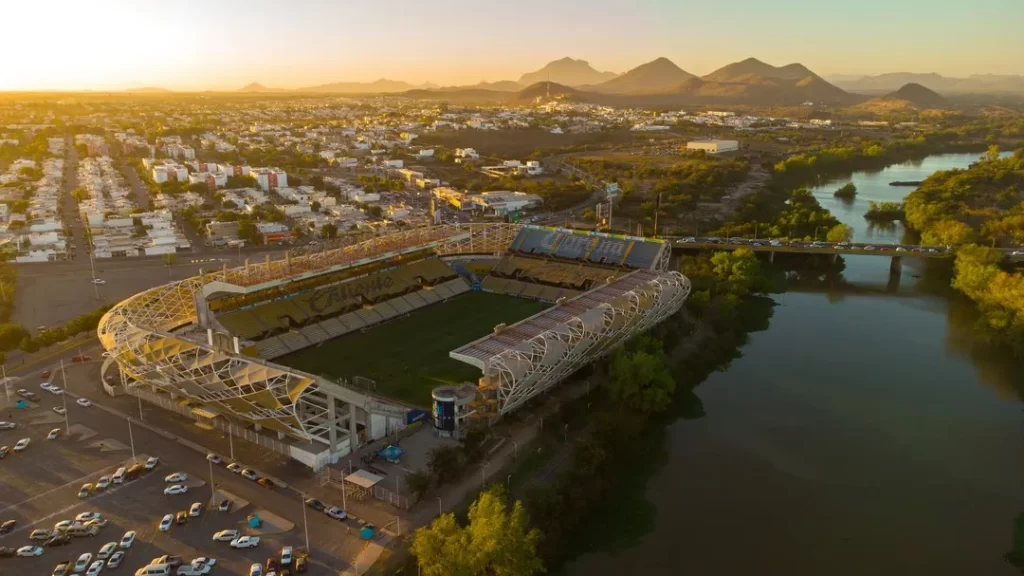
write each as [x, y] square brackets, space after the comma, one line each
[529, 357]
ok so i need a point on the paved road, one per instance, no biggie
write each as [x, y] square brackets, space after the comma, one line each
[56, 469]
[68, 202]
[142, 199]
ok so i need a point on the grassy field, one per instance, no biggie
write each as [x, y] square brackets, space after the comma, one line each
[409, 356]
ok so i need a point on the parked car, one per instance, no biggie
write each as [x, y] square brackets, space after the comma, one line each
[115, 559]
[336, 513]
[224, 506]
[103, 483]
[256, 570]
[235, 467]
[83, 402]
[22, 444]
[175, 489]
[6, 552]
[59, 540]
[226, 536]
[128, 539]
[61, 569]
[86, 516]
[152, 462]
[181, 517]
[165, 522]
[106, 550]
[94, 568]
[41, 535]
[245, 542]
[29, 551]
[8, 425]
[266, 483]
[60, 410]
[315, 504]
[286, 556]
[250, 474]
[7, 526]
[53, 434]
[195, 510]
[214, 458]
[85, 490]
[176, 477]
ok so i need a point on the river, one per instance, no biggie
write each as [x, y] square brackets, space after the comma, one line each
[860, 433]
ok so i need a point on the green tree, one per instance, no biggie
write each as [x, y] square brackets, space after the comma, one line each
[495, 541]
[473, 443]
[445, 463]
[329, 230]
[846, 192]
[948, 233]
[419, 482]
[738, 270]
[641, 380]
[314, 206]
[839, 233]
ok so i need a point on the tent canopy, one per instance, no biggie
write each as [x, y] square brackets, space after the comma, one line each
[363, 479]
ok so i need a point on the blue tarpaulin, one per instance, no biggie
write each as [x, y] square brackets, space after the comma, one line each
[366, 532]
[254, 520]
[391, 453]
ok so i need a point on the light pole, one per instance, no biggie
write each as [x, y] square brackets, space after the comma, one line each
[483, 474]
[305, 524]
[231, 442]
[213, 487]
[7, 383]
[566, 432]
[131, 438]
[440, 511]
[515, 451]
[64, 398]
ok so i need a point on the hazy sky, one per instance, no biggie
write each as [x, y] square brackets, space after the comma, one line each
[200, 44]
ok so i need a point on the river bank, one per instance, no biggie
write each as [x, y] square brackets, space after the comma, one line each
[862, 432]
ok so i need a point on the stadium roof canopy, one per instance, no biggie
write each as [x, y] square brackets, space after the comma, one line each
[480, 352]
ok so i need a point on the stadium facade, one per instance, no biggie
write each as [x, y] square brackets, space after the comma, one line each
[208, 342]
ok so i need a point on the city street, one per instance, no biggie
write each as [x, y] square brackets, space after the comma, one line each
[42, 484]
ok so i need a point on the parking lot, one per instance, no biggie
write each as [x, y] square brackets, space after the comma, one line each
[41, 486]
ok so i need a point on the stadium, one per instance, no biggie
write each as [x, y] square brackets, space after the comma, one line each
[338, 345]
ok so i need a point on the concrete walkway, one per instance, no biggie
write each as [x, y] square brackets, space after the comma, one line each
[367, 556]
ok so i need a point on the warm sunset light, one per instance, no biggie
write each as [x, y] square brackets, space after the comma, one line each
[516, 287]
[224, 44]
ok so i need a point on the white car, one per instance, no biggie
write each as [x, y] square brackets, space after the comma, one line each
[84, 402]
[250, 474]
[193, 570]
[245, 542]
[98, 281]
[255, 570]
[870, 248]
[214, 458]
[83, 561]
[235, 467]
[86, 516]
[56, 390]
[94, 568]
[106, 550]
[336, 513]
[53, 434]
[8, 425]
[174, 489]
[63, 525]
[286, 556]
[59, 410]
[46, 386]
[165, 522]
[152, 462]
[225, 536]
[128, 539]
[26, 551]
[103, 483]
[176, 477]
[204, 561]
[22, 444]
[195, 510]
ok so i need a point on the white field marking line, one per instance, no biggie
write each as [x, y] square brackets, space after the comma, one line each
[61, 487]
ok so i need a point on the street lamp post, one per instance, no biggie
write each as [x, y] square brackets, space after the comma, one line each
[64, 398]
[515, 451]
[440, 511]
[231, 442]
[305, 524]
[7, 383]
[213, 487]
[131, 438]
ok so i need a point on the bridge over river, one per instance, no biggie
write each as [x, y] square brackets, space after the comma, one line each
[895, 252]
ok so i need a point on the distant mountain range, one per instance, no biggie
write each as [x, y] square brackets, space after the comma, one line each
[567, 71]
[975, 84]
[908, 98]
[661, 82]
